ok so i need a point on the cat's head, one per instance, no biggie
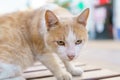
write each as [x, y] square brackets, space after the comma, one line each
[66, 35]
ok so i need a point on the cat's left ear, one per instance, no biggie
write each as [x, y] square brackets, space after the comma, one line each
[51, 19]
[82, 18]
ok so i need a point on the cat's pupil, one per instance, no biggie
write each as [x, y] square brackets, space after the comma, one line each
[61, 43]
[78, 42]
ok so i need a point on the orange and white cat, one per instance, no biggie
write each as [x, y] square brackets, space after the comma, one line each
[40, 35]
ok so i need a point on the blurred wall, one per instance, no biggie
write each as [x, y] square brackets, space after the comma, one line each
[8, 6]
[116, 19]
[76, 7]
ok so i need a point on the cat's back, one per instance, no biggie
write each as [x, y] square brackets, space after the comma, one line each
[11, 25]
[13, 43]
[12, 20]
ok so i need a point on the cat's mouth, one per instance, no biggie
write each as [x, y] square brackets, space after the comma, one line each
[70, 58]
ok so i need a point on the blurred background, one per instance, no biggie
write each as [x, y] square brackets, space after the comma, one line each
[103, 26]
[104, 17]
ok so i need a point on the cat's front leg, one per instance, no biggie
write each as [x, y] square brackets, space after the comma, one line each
[50, 61]
[72, 69]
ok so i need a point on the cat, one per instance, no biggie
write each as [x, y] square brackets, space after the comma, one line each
[41, 34]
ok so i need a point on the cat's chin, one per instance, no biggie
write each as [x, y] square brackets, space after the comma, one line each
[71, 59]
[67, 59]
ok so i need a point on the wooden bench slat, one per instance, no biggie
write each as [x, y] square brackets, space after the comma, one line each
[39, 67]
[92, 75]
[42, 67]
[99, 74]
[40, 72]
[35, 68]
[113, 78]
[53, 78]
[47, 73]
[48, 78]
[37, 63]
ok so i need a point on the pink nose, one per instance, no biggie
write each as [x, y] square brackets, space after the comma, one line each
[71, 57]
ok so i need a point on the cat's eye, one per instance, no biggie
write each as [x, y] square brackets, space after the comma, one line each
[61, 43]
[78, 42]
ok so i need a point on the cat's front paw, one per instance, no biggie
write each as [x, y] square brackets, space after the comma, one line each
[64, 76]
[76, 71]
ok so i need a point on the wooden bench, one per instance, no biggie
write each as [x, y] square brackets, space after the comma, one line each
[40, 72]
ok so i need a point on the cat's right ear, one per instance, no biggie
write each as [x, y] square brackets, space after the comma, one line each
[51, 19]
[82, 18]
